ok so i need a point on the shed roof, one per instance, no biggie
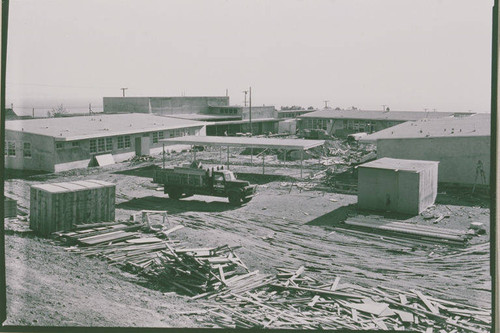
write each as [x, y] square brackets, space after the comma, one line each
[72, 186]
[399, 164]
[85, 127]
[227, 141]
[474, 125]
[375, 115]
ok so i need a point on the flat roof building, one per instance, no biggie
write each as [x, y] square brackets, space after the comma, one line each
[56, 144]
[343, 122]
[225, 119]
[460, 144]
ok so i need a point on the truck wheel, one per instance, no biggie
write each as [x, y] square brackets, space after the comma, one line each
[174, 194]
[234, 199]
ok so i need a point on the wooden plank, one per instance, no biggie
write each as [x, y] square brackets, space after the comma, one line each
[319, 291]
[144, 240]
[169, 231]
[427, 303]
[335, 283]
[406, 317]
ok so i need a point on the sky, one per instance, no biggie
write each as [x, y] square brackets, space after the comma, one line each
[408, 55]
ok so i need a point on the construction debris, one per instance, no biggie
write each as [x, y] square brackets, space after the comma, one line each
[292, 300]
[240, 298]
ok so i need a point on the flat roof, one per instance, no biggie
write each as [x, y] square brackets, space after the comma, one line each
[85, 127]
[202, 117]
[231, 141]
[474, 125]
[245, 121]
[399, 164]
[376, 115]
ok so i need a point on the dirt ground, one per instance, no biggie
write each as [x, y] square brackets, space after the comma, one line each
[291, 222]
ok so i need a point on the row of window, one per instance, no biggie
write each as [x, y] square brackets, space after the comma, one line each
[228, 111]
[10, 149]
[100, 144]
[317, 123]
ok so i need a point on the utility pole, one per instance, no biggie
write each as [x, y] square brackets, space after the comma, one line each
[326, 104]
[250, 110]
[90, 109]
[33, 113]
[123, 90]
[245, 92]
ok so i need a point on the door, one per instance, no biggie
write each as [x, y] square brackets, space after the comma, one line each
[219, 183]
[138, 147]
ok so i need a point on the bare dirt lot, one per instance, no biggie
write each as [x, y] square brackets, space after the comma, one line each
[289, 223]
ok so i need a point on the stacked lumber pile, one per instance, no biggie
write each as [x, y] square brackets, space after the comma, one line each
[425, 233]
[292, 300]
[194, 271]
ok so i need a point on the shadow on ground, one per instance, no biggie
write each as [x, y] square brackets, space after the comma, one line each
[23, 174]
[145, 171]
[463, 196]
[335, 217]
[338, 216]
[177, 206]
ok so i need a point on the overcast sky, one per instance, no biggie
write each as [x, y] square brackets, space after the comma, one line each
[409, 55]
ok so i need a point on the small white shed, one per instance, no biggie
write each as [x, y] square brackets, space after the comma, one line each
[396, 185]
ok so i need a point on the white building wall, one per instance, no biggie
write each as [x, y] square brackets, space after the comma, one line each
[458, 156]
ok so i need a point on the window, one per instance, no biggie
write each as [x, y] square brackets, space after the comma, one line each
[109, 144]
[100, 144]
[155, 137]
[120, 144]
[160, 135]
[11, 148]
[59, 145]
[93, 146]
[27, 149]
[127, 141]
[75, 144]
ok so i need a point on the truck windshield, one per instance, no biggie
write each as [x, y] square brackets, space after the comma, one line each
[229, 176]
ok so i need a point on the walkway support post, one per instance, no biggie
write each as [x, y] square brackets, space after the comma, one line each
[263, 160]
[301, 160]
[163, 158]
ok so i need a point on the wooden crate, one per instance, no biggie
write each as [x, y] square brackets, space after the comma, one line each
[9, 207]
[61, 206]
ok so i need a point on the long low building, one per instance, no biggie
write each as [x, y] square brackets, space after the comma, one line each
[343, 122]
[460, 144]
[57, 144]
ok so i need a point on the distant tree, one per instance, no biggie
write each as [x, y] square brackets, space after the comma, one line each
[337, 108]
[353, 108]
[310, 108]
[58, 111]
[387, 109]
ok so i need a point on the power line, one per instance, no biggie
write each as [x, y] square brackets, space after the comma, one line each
[59, 86]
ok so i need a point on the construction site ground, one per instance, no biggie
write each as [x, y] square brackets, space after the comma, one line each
[291, 222]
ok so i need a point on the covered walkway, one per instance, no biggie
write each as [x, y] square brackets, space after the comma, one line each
[245, 142]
